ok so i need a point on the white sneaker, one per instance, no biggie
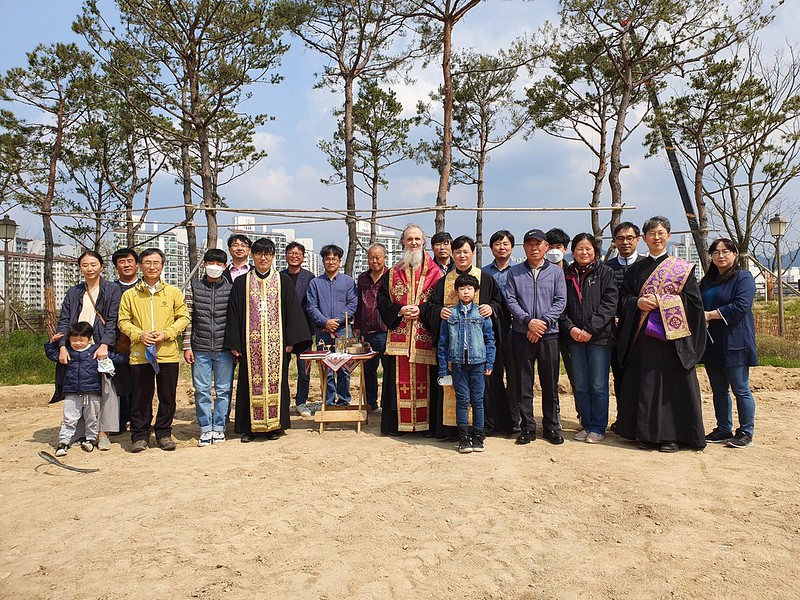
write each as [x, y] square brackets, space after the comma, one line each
[303, 411]
[62, 450]
[218, 437]
[581, 435]
[206, 439]
[87, 445]
[595, 438]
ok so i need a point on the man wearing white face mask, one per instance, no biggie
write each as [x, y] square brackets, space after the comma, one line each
[203, 342]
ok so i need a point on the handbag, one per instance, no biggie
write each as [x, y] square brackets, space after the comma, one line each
[123, 343]
[655, 326]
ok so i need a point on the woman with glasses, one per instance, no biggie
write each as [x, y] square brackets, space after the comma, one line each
[662, 336]
[728, 295]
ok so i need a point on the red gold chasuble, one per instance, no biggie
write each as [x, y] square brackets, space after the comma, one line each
[451, 299]
[666, 283]
[411, 343]
[265, 350]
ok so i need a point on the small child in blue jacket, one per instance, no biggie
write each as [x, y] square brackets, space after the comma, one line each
[82, 384]
[466, 342]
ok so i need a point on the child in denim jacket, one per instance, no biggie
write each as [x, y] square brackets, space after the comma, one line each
[466, 342]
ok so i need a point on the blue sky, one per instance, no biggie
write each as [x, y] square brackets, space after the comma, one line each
[539, 172]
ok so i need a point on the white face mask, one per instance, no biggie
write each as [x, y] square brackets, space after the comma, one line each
[214, 271]
[554, 255]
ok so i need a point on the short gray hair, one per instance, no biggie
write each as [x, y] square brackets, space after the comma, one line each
[378, 246]
[412, 226]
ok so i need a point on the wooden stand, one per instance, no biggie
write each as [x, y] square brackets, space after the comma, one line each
[342, 414]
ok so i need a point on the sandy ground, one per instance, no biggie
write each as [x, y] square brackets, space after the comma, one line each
[344, 515]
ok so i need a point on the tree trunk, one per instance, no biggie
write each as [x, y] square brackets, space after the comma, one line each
[619, 132]
[597, 188]
[702, 212]
[479, 215]
[47, 226]
[207, 182]
[349, 177]
[376, 178]
[186, 176]
[447, 125]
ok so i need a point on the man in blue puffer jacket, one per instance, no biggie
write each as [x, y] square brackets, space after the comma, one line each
[82, 384]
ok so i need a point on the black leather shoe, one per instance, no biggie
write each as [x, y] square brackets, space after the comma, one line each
[669, 447]
[552, 436]
[526, 437]
[647, 446]
[246, 438]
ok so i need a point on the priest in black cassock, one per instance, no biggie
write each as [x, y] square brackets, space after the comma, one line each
[265, 322]
[661, 338]
[490, 304]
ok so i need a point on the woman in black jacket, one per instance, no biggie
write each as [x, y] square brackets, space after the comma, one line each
[589, 322]
[95, 301]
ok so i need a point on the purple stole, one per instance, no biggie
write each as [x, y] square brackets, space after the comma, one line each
[264, 327]
[666, 283]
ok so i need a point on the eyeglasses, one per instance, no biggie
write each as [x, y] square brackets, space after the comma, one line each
[239, 246]
[331, 259]
[152, 263]
[625, 238]
[262, 255]
[294, 254]
[725, 252]
[657, 234]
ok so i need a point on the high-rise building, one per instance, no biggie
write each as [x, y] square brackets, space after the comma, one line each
[387, 237]
[686, 250]
[173, 244]
[27, 272]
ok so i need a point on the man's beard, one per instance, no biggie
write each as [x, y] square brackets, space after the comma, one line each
[412, 258]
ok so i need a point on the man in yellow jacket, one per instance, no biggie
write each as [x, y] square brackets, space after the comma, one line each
[153, 314]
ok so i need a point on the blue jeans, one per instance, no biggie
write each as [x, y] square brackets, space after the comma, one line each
[339, 382]
[378, 343]
[468, 384]
[220, 365]
[738, 379]
[303, 379]
[590, 366]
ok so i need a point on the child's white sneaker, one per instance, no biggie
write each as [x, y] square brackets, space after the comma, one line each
[218, 437]
[87, 445]
[62, 450]
[206, 439]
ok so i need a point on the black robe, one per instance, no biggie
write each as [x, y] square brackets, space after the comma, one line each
[295, 333]
[497, 416]
[660, 397]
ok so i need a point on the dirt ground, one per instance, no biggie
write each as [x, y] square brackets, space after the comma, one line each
[344, 515]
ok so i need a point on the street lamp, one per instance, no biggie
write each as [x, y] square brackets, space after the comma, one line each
[777, 227]
[8, 229]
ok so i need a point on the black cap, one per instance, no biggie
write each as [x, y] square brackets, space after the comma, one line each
[534, 234]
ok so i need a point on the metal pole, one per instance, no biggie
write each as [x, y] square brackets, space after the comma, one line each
[6, 295]
[780, 286]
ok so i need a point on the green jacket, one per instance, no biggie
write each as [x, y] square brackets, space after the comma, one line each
[166, 311]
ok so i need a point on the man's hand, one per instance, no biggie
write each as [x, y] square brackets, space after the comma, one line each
[532, 337]
[485, 310]
[188, 356]
[159, 337]
[647, 303]
[410, 312]
[289, 349]
[332, 325]
[101, 352]
[538, 327]
[487, 372]
[148, 338]
[57, 336]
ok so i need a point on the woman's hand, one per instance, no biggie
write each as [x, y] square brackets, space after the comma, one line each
[63, 355]
[101, 352]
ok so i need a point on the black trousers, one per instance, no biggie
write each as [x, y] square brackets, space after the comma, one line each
[501, 393]
[144, 382]
[545, 354]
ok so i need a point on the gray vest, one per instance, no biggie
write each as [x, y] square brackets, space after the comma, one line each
[209, 312]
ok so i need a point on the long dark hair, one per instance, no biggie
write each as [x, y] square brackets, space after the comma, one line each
[712, 276]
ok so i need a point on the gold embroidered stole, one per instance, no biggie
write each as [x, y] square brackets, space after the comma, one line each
[666, 283]
[264, 330]
[412, 346]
